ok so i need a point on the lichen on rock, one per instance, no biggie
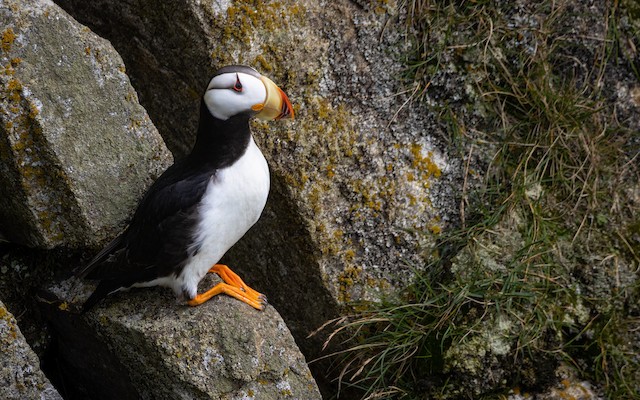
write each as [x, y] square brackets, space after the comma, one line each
[354, 177]
[72, 169]
[20, 375]
[142, 344]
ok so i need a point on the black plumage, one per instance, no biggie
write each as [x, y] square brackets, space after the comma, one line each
[157, 240]
[173, 223]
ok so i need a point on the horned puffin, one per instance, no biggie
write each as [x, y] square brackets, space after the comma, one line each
[201, 205]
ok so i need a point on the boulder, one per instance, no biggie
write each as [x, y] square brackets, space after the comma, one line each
[78, 150]
[143, 345]
[20, 374]
[354, 176]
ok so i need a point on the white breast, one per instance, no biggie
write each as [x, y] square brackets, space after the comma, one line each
[232, 203]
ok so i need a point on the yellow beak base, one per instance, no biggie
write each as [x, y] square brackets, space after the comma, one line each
[276, 105]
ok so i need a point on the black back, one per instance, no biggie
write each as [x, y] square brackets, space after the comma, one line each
[160, 236]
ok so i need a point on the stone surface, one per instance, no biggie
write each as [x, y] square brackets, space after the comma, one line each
[77, 148]
[569, 386]
[20, 374]
[354, 176]
[143, 345]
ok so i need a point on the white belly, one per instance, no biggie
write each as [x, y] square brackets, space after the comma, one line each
[232, 203]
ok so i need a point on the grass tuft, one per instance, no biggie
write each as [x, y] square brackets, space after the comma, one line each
[544, 271]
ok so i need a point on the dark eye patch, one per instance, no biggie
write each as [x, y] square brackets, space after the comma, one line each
[238, 86]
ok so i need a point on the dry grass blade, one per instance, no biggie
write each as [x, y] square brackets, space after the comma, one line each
[516, 271]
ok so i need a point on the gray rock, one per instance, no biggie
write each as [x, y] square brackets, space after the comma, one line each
[20, 374]
[77, 148]
[141, 344]
[355, 176]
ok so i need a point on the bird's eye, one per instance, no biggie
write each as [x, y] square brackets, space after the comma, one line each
[238, 86]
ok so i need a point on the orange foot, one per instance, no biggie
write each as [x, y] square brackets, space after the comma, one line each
[232, 286]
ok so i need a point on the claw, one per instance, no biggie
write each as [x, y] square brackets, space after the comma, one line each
[233, 286]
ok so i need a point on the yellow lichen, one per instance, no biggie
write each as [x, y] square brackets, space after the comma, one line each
[324, 110]
[25, 133]
[33, 110]
[8, 37]
[349, 255]
[263, 63]
[245, 16]
[9, 69]
[14, 86]
[327, 131]
[347, 278]
[425, 165]
[330, 171]
[135, 124]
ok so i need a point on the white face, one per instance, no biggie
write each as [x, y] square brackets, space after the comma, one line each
[231, 93]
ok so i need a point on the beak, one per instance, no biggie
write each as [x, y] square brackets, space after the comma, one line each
[276, 105]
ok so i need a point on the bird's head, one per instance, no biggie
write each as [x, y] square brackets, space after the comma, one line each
[237, 89]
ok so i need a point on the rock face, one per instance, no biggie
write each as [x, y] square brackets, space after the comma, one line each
[77, 148]
[20, 375]
[352, 176]
[77, 153]
[142, 345]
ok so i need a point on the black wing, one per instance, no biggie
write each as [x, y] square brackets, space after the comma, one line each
[157, 240]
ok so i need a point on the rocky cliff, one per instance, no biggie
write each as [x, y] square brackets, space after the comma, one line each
[97, 99]
[356, 178]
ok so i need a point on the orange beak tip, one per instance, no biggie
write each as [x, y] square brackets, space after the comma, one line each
[287, 108]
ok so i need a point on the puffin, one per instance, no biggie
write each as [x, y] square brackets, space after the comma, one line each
[201, 205]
